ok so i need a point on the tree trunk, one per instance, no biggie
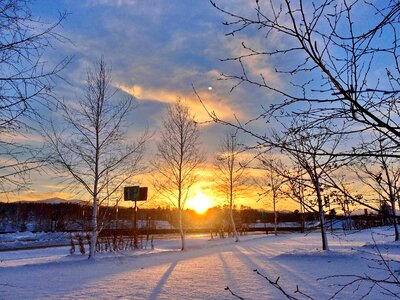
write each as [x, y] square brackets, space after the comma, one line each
[398, 202]
[235, 234]
[302, 211]
[180, 208]
[181, 232]
[394, 212]
[324, 238]
[275, 213]
[275, 220]
[392, 200]
[395, 221]
[393, 205]
[92, 248]
[273, 187]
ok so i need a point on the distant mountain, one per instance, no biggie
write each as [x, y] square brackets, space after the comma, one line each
[56, 200]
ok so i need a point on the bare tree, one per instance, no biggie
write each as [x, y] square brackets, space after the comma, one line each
[332, 59]
[231, 175]
[178, 159]
[93, 150]
[274, 183]
[296, 191]
[382, 176]
[26, 82]
[286, 180]
[331, 66]
[302, 144]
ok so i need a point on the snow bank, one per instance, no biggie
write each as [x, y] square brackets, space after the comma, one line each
[21, 240]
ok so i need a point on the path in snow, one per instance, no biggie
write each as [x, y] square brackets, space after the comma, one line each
[201, 272]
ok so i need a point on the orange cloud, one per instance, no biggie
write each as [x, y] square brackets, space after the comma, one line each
[222, 109]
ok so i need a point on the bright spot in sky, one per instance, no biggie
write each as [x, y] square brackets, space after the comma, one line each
[210, 88]
[200, 203]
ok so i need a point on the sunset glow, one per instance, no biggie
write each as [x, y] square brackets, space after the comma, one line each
[200, 202]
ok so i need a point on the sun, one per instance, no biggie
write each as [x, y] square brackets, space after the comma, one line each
[200, 203]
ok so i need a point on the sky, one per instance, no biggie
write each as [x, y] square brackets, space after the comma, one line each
[157, 50]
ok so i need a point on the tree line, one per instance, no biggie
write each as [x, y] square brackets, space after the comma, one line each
[37, 217]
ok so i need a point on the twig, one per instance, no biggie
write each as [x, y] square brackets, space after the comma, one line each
[278, 286]
[233, 294]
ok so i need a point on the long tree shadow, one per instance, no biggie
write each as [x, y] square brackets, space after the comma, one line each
[226, 268]
[158, 288]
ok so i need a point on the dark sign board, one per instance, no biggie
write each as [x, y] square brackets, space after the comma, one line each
[135, 193]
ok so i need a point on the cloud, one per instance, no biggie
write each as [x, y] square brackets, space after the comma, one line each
[16, 137]
[159, 58]
[117, 3]
[221, 107]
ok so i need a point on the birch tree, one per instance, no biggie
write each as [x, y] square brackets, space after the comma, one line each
[93, 150]
[230, 173]
[178, 159]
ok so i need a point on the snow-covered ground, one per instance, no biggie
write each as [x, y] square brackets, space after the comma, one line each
[202, 271]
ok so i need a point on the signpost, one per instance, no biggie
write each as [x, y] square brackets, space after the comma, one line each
[135, 193]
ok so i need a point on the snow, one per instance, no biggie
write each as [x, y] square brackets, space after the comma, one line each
[202, 271]
[20, 240]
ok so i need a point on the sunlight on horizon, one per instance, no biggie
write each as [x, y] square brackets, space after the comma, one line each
[200, 202]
